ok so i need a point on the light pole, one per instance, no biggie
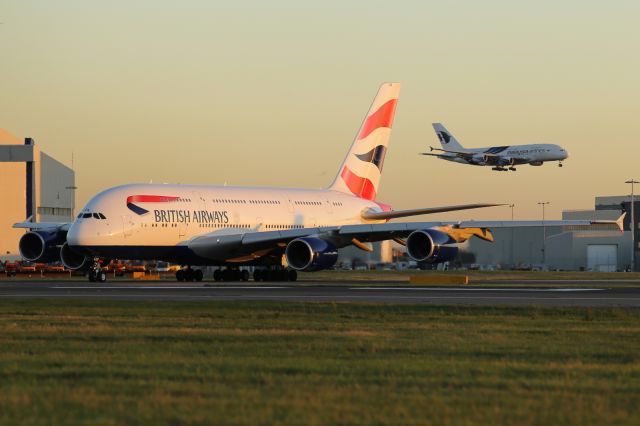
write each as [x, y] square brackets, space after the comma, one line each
[632, 225]
[511, 206]
[544, 233]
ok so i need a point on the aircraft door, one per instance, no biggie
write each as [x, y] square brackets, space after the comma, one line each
[127, 226]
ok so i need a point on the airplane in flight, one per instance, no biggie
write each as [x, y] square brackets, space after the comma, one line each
[501, 158]
[280, 231]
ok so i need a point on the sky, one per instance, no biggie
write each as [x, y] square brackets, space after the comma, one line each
[273, 93]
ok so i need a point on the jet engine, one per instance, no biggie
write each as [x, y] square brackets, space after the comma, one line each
[310, 254]
[478, 159]
[41, 246]
[72, 260]
[431, 246]
[506, 161]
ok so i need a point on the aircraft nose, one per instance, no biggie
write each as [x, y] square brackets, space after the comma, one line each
[73, 235]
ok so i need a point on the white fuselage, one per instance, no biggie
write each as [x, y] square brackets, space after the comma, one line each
[190, 211]
[535, 153]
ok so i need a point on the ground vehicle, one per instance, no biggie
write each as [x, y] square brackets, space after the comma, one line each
[11, 268]
[116, 266]
[54, 267]
[27, 267]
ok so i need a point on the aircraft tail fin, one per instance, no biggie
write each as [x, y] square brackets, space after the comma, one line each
[361, 170]
[447, 140]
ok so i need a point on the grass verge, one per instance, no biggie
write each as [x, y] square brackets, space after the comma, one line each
[102, 362]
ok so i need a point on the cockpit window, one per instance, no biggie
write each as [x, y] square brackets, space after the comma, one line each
[95, 215]
[102, 216]
[86, 215]
[80, 216]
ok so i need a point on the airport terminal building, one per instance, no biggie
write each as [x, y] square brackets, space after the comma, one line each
[35, 186]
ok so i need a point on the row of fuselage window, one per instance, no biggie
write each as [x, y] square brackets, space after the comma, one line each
[271, 202]
[220, 225]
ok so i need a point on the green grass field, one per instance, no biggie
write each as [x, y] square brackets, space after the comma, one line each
[101, 362]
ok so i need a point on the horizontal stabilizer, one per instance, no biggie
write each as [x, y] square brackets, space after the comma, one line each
[394, 214]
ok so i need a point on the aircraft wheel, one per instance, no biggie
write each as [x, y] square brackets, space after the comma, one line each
[244, 276]
[101, 276]
[180, 275]
[92, 277]
[198, 275]
[217, 275]
[292, 275]
[258, 275]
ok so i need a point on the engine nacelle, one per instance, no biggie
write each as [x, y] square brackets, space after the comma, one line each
[479, 160]
[431, 246]
[72, 260]
[506, 161]
[41, 246]
[310, 254]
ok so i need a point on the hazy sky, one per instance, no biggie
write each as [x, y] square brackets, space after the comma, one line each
[272, 93]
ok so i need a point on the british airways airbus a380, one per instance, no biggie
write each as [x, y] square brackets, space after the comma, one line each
[280, 230]
[500, 158]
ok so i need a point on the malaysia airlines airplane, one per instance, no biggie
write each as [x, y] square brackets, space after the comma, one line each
[500, 158]
[279, 230]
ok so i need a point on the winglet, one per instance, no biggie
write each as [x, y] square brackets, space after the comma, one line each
[619, 222]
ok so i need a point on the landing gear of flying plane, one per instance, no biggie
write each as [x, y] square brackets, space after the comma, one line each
[279, 274]
[188, 274]
[230, 274]
[96, 273]
[559, 163]
[513, 169]
[499, 169]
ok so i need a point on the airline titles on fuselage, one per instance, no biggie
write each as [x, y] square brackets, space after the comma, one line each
[193, 216]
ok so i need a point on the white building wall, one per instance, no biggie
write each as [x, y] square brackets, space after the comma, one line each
[56, 195]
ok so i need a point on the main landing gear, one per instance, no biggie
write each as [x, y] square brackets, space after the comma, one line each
[230, 274]
[188, 274]
[273, 274]
[502, 169]
[279, 274]
[96, 273]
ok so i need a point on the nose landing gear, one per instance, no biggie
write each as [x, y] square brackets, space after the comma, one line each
[96, 273]
[559, 163]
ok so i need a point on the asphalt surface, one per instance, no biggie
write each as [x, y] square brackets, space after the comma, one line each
[378, 292]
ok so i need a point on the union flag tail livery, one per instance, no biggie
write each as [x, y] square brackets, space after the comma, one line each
[362, 168]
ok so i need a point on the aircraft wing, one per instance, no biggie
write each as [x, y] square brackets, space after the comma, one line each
[494, 159]
[59, 226]
[242, 247]
[462, 154]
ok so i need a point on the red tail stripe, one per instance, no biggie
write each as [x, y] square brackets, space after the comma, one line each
[362, 187]
[150, 199]
[383, 117]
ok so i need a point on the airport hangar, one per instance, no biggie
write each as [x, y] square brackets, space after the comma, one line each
[34, 185]
[567, 248]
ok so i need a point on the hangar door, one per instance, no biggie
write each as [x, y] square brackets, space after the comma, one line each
[602, 257]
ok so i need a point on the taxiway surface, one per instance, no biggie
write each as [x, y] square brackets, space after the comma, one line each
[322, 292]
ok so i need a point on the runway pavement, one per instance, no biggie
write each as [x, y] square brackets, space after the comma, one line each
[322, 292]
